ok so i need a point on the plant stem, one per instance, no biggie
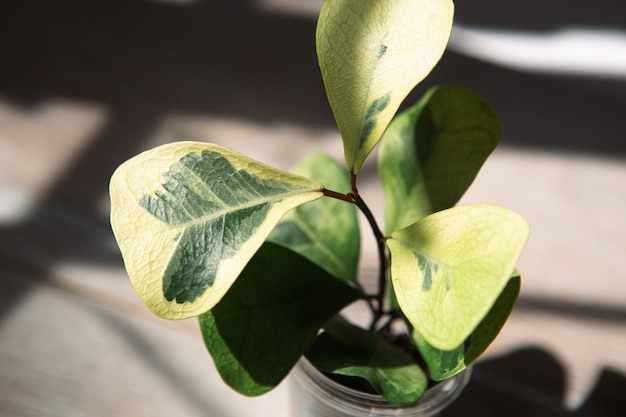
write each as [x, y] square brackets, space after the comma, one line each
[338, 196]
[353, 197]
[387, 324]
[382, 250]
[368, 299]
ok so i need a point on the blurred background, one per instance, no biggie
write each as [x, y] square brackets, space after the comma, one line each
[84, 85]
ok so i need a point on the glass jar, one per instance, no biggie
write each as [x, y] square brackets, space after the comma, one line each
[315, 395]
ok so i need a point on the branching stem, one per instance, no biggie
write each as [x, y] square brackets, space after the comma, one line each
[338, 196]
[380, 242]
[378, 308]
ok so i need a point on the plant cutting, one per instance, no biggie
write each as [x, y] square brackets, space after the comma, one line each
[268, 260]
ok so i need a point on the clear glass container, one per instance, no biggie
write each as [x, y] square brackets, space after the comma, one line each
[315, 395]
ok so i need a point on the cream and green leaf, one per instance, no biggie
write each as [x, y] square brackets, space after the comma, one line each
[444, 364]
[431, 153]
[449, 268]
[371, 54]
[325, 231]
[188, 217]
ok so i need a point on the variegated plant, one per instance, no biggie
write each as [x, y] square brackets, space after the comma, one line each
[207, 232]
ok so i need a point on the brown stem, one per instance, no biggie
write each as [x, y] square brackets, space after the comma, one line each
[368, 299]
[338, 196]
[379, 309]
[380, 242]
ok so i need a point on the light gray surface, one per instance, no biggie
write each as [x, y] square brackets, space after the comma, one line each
[77, 341]
[77, 99]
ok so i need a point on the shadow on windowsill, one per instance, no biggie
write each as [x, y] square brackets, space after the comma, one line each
[531, 382]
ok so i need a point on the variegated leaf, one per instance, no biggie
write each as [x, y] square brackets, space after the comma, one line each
[188, 216]
[445, 364]
[449, 268]
[372, 53]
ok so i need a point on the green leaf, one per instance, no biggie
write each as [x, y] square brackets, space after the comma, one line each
[431, 153]
[348, 350]
[188, 216]
[445, 364]
[449, 268]
[371, 54]
[270, 317]
[325, 231]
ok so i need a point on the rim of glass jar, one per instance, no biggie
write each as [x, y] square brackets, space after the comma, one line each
[435, 399]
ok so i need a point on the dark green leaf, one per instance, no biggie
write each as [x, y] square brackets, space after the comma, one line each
[270, 317]
[345, 349]
[431, 153]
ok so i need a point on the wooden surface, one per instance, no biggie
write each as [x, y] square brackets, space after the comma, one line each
[77, 100]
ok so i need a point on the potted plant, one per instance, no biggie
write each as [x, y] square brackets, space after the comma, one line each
[267, 260]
